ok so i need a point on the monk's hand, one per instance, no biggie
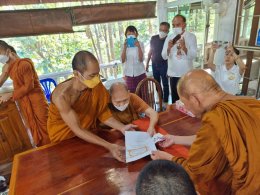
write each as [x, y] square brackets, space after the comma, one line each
[168, 141]
[129, 127]
[156, 155]
[118, 152]
[151, 131]
[5, 97]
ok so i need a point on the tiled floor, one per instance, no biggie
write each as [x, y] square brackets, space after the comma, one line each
[4, 193]
[5, 170]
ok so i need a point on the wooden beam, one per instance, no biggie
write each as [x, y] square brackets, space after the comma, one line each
[60, 20]
[28, 2]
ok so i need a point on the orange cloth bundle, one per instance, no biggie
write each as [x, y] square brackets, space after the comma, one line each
[175, 150]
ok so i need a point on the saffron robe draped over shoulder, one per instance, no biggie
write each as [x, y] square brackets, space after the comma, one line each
[225, 157]
[91, 108]
[33, 103]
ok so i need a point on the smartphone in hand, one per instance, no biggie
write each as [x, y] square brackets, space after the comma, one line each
[130, 41]
[176, 38]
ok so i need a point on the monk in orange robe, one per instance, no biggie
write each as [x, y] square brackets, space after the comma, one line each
[127, 107]
[225, 157]
[79, 104]
[27, 90]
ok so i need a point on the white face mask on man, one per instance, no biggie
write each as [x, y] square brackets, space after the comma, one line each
[162, 34]
[121, 108]
[177, 30]
[4, 59]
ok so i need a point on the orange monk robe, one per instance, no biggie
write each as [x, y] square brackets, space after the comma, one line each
[132, 112]
[28, 91]
[225, 155]
[91, 108]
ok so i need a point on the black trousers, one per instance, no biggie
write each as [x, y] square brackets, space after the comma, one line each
[173, 85]
[160, 74]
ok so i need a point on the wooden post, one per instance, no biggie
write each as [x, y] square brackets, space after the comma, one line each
[162, 13]
[250, 54]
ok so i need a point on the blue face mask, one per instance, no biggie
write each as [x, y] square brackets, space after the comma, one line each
[130, 41]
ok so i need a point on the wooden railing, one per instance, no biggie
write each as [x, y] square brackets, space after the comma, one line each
[111, 72]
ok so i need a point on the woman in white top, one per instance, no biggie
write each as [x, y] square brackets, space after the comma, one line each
[229, 74]
[132, 58]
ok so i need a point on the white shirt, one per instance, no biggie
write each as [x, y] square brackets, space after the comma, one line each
[228, 79]
[219, 57]
[178, 66]
[132, 67]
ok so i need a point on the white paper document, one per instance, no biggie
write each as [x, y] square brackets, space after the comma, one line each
[140, 144]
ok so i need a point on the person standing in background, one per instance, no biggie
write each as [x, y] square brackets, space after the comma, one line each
[132, 57]
[228, 75]
[27, 90]
[180, 48]
[159, 65]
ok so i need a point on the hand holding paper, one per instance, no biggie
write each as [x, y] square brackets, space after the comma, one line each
[140, 144]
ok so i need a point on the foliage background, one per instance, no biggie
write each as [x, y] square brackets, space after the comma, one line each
[54, 53]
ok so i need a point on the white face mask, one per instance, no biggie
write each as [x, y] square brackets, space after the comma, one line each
[122, 108]
[4, 59]
[162, 34]
[177, 30]
[131, 36]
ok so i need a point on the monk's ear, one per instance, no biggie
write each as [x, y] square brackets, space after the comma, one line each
[9, 52]
[194, 99]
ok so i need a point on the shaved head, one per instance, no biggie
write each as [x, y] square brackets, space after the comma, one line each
[163, 177]
[119, 94]
[118, 86]
[199, 92]
[197, 81]
[4, 46]
[82, 60]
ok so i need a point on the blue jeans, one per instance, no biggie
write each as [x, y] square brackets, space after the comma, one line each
[160, 74]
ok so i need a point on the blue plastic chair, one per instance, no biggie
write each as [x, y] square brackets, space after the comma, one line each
[48, 86]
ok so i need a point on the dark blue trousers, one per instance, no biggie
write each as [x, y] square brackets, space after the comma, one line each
[160, 74]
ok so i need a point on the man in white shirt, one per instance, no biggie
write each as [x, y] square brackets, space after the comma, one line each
[179, 54]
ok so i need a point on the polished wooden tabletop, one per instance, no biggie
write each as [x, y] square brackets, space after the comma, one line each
[77, 167]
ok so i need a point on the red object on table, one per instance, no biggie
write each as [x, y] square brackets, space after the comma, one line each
[176, 150]
[74, 166]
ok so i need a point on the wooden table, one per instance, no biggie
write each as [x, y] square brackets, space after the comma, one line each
[77, 167]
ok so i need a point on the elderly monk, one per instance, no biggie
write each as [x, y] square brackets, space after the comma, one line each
[27, 91]
[127, 107]
[225, 155]
[79, 104]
